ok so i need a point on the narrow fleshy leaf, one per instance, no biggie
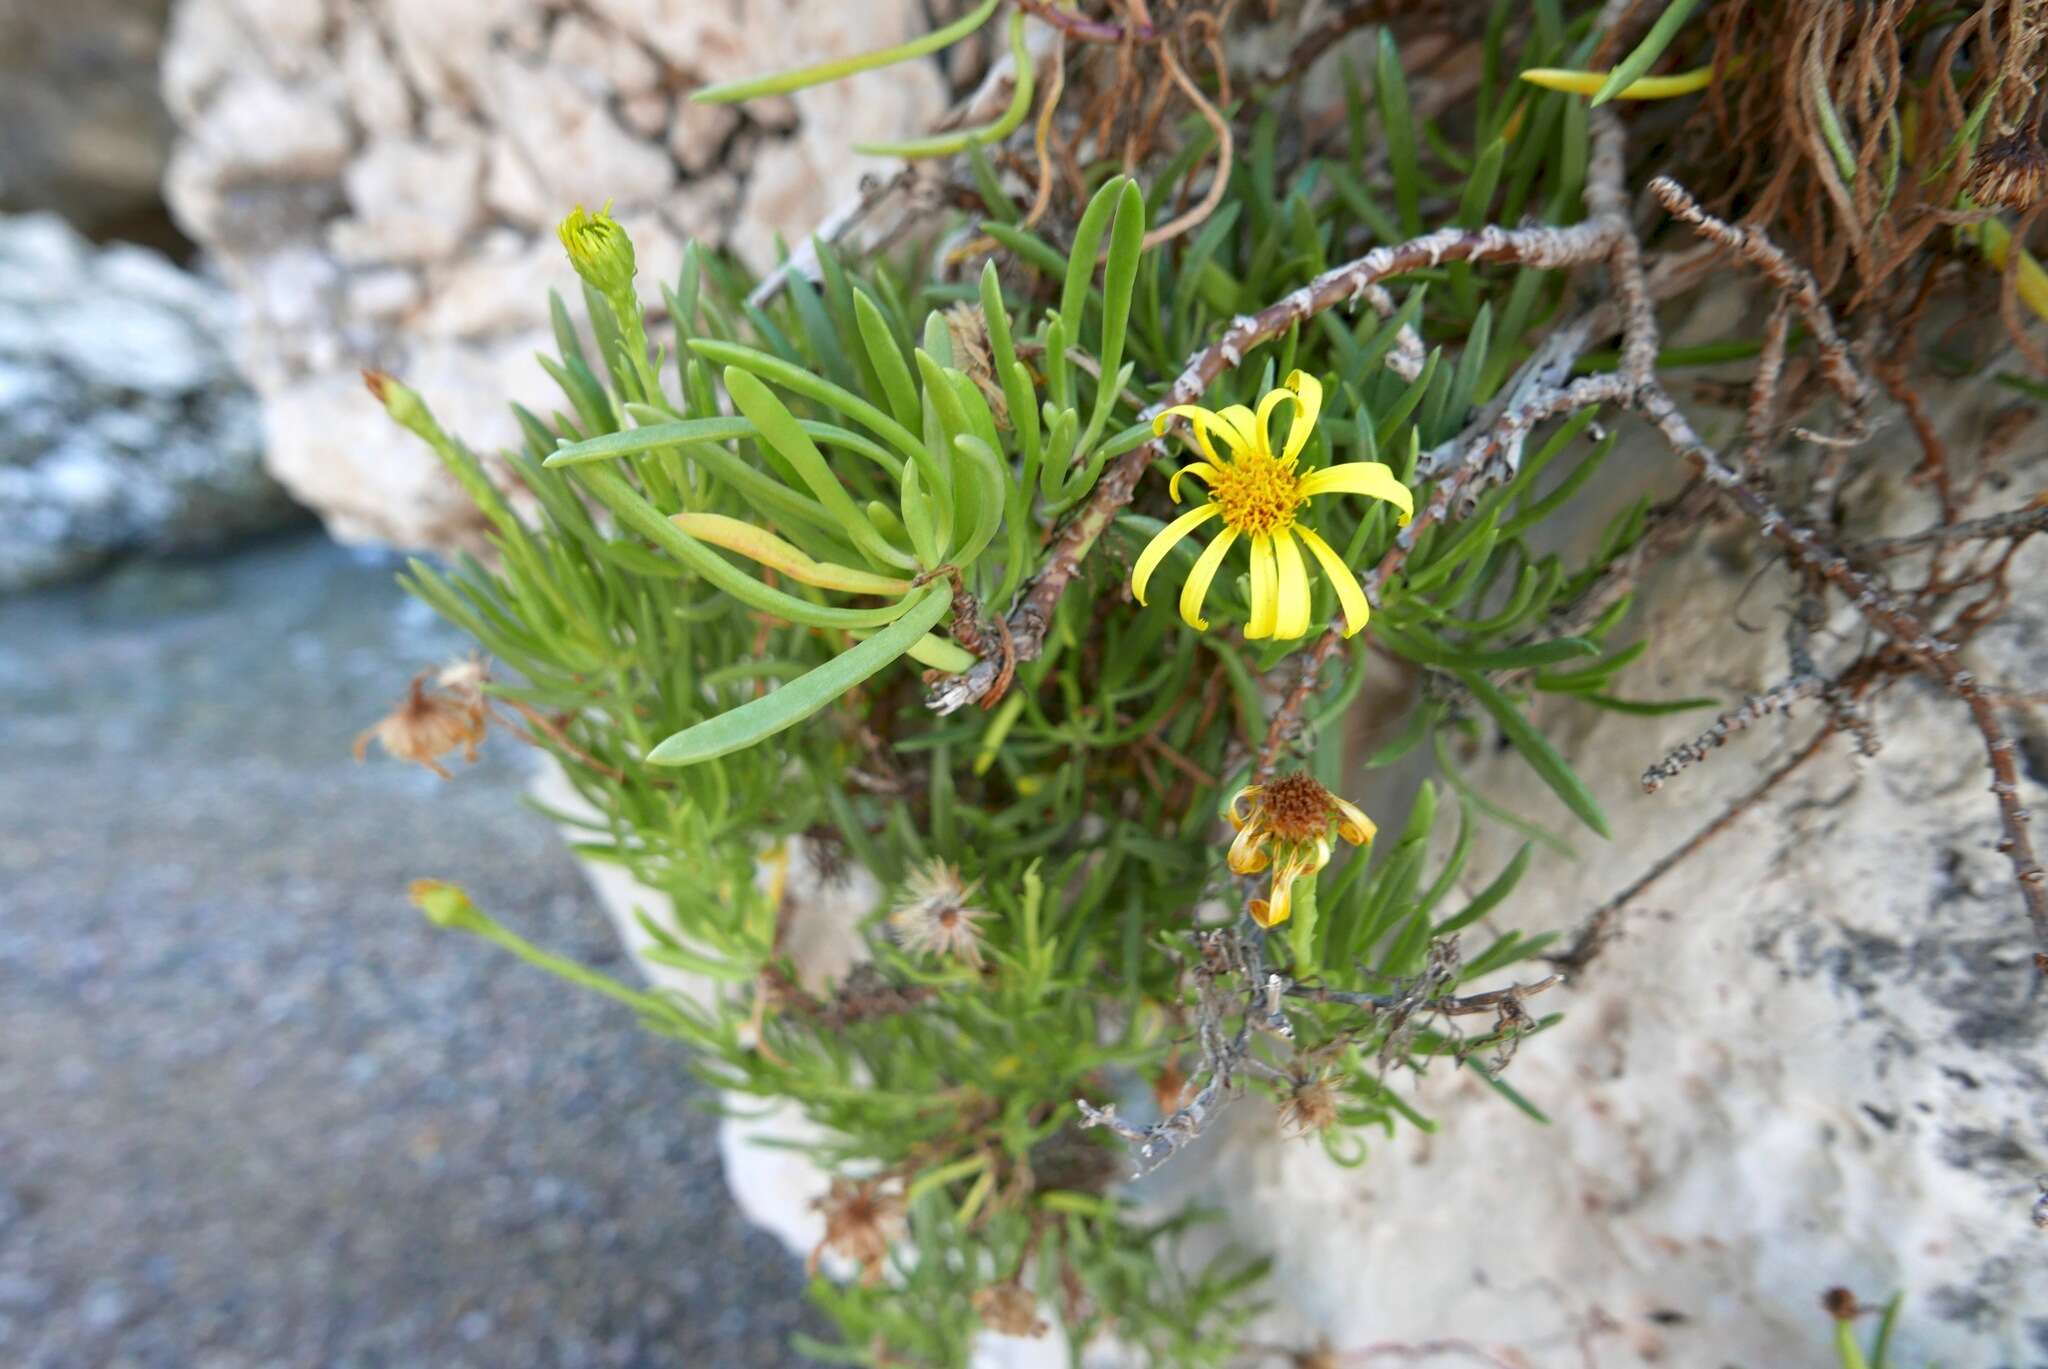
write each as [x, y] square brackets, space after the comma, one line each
[758, 719]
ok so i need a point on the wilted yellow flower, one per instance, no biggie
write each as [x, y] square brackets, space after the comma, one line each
[1288, 827]
[1257, 494]
[933, 914]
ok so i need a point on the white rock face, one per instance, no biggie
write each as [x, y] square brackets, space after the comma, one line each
[123, 426]
[1817, 1056]
[380, 183]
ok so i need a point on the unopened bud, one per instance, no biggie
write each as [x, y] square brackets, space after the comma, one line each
[401, 401]
[599, 250]
[447, 905]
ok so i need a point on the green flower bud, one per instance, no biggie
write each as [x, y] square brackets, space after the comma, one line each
[402, 402]
[447, 905]
[599, 250]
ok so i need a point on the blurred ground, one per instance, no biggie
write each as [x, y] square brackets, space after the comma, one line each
[253, 1109]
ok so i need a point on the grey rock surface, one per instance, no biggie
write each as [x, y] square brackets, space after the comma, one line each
[83, 130]
[253, 1109]
[123, 425]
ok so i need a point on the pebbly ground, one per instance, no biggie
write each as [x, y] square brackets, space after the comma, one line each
[253, 1109]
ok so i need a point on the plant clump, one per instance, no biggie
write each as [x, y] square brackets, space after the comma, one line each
[856, 557]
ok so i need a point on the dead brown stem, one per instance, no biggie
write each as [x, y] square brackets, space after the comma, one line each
[1597, 928]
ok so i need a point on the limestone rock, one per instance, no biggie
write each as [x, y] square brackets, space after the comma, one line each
[123, 426]
[414, 203]
[380, 184]
[698, 134]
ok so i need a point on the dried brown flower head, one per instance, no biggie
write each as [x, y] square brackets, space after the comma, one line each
[2011, 173]
[1009, 1309]
[860, 1222]
[430, 723]
[1840, 1304]
[465, 679]
[933, 914]
[1321, 1355]
[1311, 1106]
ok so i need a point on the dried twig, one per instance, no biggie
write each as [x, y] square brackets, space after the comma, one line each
[1597, 928]
[2013, 523]
[1795, 284]
[1466, 1006]
[1539, 247]
[1237, 954]
[873, 192]
[1754, 709]
[1219, 181]
[1088, 30]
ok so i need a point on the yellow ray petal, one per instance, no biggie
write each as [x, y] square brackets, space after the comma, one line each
[1294, 605]
[1203, 421]
[1201, 470]
[1169, 537]
[1265, 588]
[1251, 436]
[1272, 400]
[1197, 587]
[1308, 393]
[1369, 478]
[1352, 823]
[1357, 609]
[1281, 907]
[1248, 852]
[1249, 792]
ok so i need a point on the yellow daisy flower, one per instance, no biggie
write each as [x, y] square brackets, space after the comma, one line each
[1288, 827]
[1257, 495]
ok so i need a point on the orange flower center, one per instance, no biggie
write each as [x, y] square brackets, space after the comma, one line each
[1257, 491]
[1297, 808]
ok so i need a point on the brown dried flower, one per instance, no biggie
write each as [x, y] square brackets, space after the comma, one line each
[1840, 1304]
[430, 723]
[968, 329]
[1009, 1309]
[860, 1222]
[1171, 1087]
[933, 914]
[1321, 1355]
[1311, 1106]
[2011, 173]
